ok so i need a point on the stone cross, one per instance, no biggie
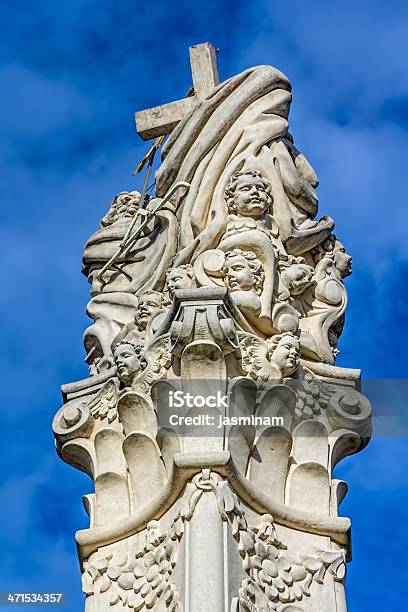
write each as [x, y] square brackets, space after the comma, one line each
[160, 120]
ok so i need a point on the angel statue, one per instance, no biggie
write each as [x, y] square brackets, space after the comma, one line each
[244, 277]
[138, 367]
[273, 359]
[323, 305]
[129, 360]
[180, 277]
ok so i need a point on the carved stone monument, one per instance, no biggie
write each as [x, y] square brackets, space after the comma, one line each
[225, 286]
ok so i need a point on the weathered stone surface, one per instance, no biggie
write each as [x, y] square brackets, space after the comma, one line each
[225, 291]
[163, 119]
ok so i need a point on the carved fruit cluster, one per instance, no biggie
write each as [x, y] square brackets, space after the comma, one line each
[311, 398]
[274, 577]
[138, 580]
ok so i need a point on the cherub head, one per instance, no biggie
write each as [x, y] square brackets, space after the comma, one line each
[150, 304]
[342, 259]
[296, 274]
[129, 360]
[181, 277]
[283, 351]
[331, 254]
[243, 271]
[248, 194]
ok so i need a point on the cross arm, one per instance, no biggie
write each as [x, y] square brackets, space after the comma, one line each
[162, 119]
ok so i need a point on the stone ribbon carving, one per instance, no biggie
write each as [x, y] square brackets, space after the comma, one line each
[232, 288]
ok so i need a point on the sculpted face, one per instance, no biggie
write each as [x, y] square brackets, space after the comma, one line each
[250, 197]
[178, 278]
[286, 354]
[342, 259]
[150, 304]
[297, 277]
[238, 273]
[127, 363]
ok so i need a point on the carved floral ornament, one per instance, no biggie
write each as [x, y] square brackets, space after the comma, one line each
[273, 576]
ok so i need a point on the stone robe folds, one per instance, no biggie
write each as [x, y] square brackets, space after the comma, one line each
[242, 125]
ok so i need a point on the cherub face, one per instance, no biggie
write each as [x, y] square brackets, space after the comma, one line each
[127, 363]
[286, 354]
[149, 306]
[239, 276]
[178, 278]
[342, 259]
[298, 276]
[250, 197]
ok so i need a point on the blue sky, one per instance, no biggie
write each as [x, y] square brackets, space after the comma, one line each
[72, 75]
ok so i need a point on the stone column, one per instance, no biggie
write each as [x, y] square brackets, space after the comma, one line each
[214, 412]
